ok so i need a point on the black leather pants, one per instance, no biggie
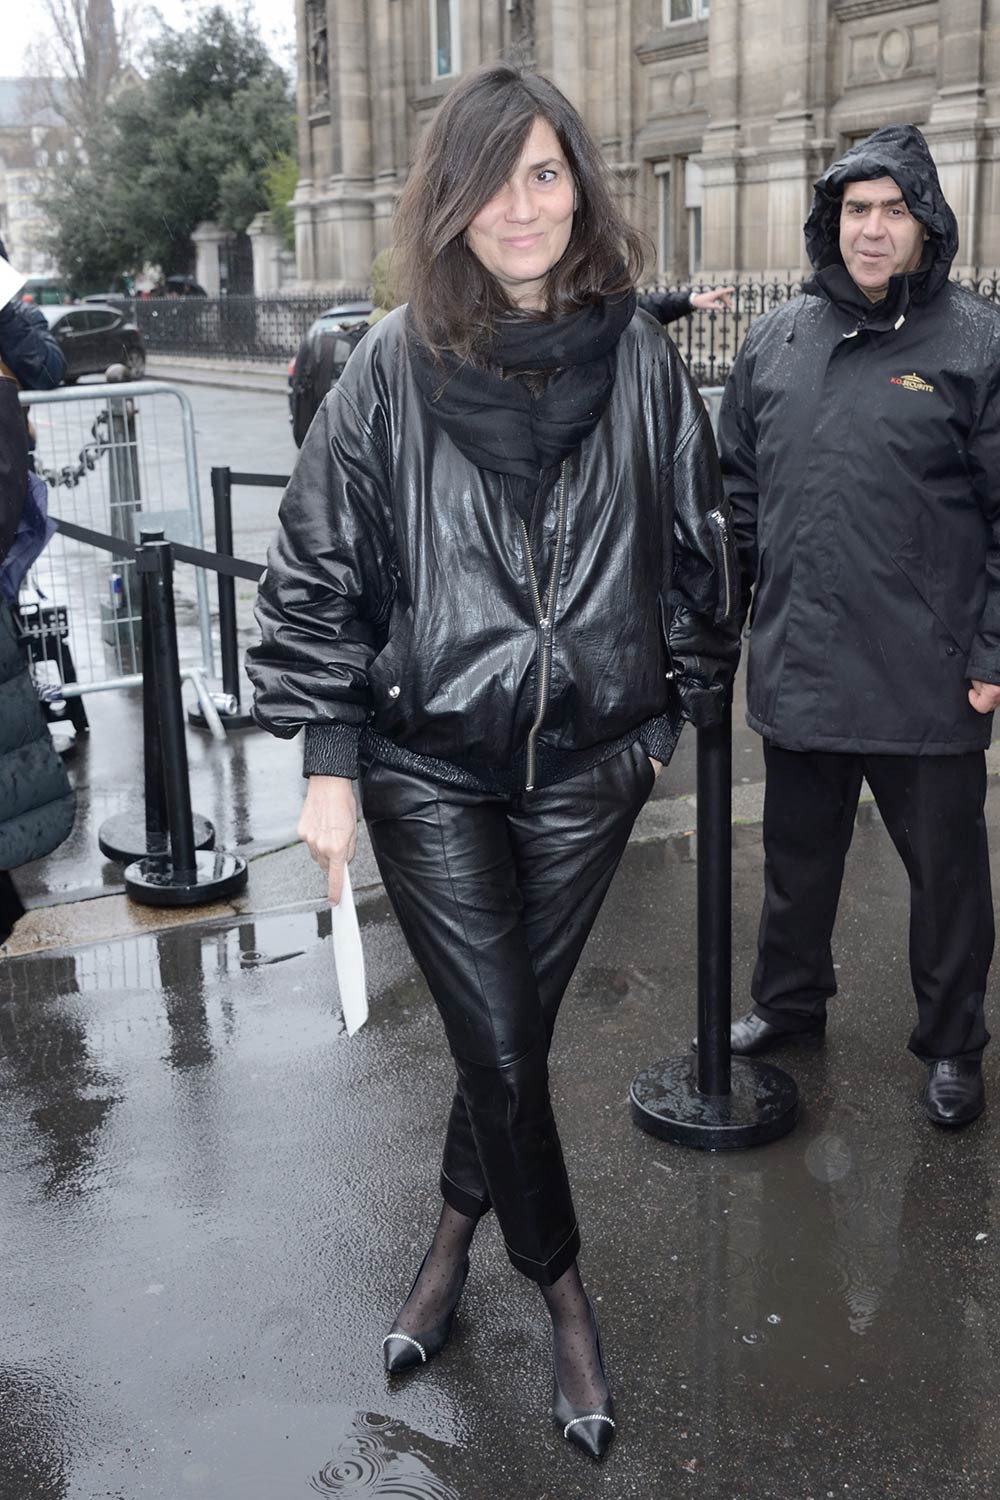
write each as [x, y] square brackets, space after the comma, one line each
[496, 897]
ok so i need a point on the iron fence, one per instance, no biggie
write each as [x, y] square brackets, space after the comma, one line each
[245, 328]
[270, 328]
[710, 340]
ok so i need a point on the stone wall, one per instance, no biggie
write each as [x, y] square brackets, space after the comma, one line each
[716, 126]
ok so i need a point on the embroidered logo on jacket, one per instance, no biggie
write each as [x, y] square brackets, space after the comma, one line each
[911, 382]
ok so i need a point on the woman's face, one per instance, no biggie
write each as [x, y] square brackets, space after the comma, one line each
[522, 232]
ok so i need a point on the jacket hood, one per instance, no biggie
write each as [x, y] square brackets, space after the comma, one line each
[899, 152]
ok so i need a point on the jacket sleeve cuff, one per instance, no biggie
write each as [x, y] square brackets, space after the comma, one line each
[331, 750]
[984, 662]
[658, 737]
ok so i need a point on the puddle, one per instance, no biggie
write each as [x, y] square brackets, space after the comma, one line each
[382, 1457]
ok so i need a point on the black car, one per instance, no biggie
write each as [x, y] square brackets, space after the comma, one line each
[95, 335]
[321, 357]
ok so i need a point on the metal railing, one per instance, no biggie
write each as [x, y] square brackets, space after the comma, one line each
[709, 341]
[270, 328]
[116, 458]
[247, 328]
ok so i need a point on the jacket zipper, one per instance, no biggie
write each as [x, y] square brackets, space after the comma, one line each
[545, 624]
[720, 522]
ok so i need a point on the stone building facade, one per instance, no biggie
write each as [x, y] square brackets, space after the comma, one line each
[716, 115]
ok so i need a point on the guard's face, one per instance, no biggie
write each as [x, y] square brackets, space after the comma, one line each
[879, 237]
[520, 234]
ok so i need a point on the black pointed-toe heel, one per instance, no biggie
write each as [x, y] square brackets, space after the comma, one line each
[591, 1431]
[405, 1351]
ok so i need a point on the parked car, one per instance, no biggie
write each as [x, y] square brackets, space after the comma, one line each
[95, 335]
[320, 360]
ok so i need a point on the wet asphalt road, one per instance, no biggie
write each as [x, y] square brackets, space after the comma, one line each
[212, 1202]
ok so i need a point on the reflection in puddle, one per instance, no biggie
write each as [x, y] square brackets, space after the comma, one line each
[379, 1459]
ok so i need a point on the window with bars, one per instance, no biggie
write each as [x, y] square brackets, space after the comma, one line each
[445, 50]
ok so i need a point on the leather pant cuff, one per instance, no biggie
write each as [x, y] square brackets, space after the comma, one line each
[463, 1202]
[550, 1271]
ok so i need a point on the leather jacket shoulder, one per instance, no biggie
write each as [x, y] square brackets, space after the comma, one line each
[404, 592]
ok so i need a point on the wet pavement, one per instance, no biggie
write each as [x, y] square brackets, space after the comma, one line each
[212, 1202]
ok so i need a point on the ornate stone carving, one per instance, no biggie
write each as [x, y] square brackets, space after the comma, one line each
[891, 52]
[522, 31]
[318, 49]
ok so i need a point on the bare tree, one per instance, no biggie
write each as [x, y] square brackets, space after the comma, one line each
[80, 57]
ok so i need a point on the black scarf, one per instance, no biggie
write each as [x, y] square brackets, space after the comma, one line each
[499, 424]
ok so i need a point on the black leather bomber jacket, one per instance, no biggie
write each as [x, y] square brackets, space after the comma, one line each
[405, 602]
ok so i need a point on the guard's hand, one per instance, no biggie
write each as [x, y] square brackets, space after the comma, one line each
[329, 825]
[984, 696]
[715, 297]
[657, 765]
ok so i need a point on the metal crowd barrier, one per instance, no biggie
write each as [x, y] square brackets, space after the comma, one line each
[116, 458]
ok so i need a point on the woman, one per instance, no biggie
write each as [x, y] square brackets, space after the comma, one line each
[502, 575]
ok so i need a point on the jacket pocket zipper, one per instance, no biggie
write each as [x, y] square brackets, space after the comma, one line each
[722, 526]
[545, 623]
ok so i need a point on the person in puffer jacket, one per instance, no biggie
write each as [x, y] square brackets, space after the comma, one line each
[27, 347]
[503, 580]
[860, 439]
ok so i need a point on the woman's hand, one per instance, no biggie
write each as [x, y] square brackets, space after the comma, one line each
[329, 825]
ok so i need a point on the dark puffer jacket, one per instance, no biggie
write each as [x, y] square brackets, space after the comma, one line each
[28, 349]
[861, 451]
[401, 595]
[36, 803]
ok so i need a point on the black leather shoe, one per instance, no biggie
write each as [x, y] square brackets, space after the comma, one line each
[593, 1430]
[750, 1035]
[404, 1351]
[955, 1093]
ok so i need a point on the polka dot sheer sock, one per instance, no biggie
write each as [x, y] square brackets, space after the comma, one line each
[575, 1352]
[439, 1279]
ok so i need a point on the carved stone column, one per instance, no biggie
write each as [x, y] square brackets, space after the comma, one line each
[344, 211]
[955, 130]
[791, 154]
[721, 248]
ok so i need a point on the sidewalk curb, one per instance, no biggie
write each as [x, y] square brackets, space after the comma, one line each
[267, 379]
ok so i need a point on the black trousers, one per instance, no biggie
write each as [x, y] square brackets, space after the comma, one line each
[496, 897]
[933, 809]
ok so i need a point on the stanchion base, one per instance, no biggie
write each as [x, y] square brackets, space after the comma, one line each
[155, 882]
[762, 1107]
[123, 838]
[197, 720]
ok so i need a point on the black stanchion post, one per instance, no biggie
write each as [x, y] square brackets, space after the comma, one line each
[715, 906]
[157, 823]
[713, 1102]
[125, 838]
[228, 701]
[156, 563]
[186, 876]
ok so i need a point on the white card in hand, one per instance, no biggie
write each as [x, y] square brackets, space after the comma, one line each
[349, 959]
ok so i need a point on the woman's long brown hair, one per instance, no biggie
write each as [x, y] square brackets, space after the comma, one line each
[470, 150]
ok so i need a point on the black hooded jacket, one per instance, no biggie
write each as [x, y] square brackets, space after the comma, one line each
[860, 447]
[402, 594]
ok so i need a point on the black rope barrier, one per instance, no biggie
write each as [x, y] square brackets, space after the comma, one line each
[227, 702]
